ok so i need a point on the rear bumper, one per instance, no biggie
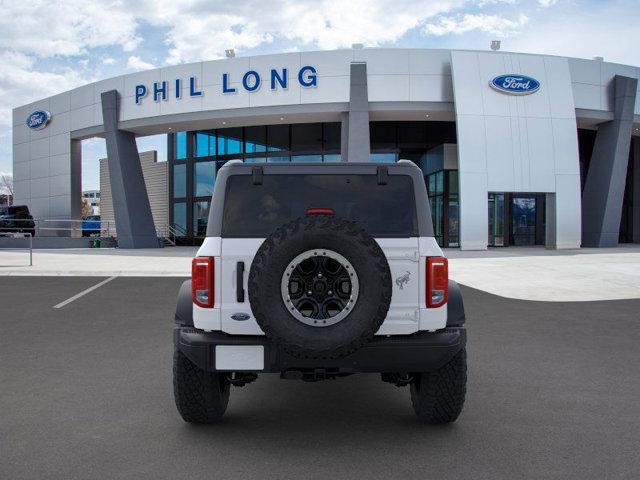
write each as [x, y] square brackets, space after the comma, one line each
[420, 352]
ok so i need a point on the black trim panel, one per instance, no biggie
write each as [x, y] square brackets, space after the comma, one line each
[184, 307]
[240, 282]
[455, 306]
[420, 352]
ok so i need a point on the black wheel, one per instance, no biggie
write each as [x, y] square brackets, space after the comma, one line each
[201, 397]
[438, 397]
[320, 287]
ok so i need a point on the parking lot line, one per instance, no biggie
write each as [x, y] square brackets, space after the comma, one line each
[84, 292]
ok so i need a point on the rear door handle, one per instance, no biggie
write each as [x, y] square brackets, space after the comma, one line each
[240, 282]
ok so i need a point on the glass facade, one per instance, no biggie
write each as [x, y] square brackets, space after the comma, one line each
[438, 166]
[196, 156]
[442, 187]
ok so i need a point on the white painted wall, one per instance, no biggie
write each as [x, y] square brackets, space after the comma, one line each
[509, 143]
[592, 86]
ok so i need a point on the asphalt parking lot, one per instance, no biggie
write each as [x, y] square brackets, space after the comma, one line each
[85, 392]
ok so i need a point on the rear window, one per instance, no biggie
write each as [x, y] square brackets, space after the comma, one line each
[257, 210]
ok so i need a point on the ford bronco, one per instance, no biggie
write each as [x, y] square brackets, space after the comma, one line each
[318, 271]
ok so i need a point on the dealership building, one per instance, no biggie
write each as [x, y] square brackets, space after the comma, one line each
[516, 149]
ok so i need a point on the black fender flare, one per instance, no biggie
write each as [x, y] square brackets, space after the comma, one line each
[455, 306]
[184, 307]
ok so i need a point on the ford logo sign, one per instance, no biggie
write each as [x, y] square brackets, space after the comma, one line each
[515, 84]
[241, 317]
[38, 119]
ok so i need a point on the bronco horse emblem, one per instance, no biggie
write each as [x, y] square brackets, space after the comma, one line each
[403, 279]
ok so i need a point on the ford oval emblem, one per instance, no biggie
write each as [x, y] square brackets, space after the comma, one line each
[515, 84]
[38, 119]
[241, 317]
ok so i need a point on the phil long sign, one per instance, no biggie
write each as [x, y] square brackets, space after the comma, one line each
[250, 81]
[515, 84]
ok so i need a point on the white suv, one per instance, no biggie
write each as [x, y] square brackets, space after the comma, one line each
[315, 271]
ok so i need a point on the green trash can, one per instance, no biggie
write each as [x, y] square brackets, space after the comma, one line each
[95, 243]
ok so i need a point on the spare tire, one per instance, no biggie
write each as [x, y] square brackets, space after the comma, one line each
[320, 287]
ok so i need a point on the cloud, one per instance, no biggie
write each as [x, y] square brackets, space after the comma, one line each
[591, 36]
[67, 28]
[21, 83]
[135, 63]
[108, 61]
[491, 24]
[323, 24]
[547, 3]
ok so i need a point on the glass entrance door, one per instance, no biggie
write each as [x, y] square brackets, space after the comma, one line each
[523, 220]
[496, 220]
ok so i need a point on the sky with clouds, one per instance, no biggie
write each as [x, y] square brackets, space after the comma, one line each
[47, 47]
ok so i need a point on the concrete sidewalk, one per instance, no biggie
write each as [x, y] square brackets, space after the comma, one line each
[520, 273]
[155, 262]
[550, 275]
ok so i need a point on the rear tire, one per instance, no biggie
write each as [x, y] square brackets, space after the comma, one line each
[438, 397]
[201, 397]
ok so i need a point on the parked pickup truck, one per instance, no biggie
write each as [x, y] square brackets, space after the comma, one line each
[17, 219]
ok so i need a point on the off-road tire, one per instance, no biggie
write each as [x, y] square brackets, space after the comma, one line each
[320, 232]
[201, 397]
[438, 397]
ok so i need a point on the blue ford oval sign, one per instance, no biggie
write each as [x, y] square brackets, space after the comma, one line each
[515, 84]
[38, 119]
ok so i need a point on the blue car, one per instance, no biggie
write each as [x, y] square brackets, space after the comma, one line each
[91, 225]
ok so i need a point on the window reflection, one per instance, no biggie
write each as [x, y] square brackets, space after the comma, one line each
[278, 138]
[255, 139]
[180, 146]
[306, 137]
[205, 144]
[306, 158]
[229, 141]
[180, 180]
[180, 216]
[383, 157]
[331, 132]
[200, 218]
[204, 177]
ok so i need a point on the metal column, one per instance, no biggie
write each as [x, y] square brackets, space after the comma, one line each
[604, 187]
[131, 208]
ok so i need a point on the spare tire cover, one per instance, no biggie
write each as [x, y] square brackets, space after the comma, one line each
[320, 287]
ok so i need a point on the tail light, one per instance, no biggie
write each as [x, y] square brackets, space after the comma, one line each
[320, 211]
[437, 281]
[202, 281]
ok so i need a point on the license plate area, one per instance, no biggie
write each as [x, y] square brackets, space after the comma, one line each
[239, 357]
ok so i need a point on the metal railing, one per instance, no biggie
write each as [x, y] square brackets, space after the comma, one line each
[170, 232]
[20, 235]
[45, 227]
[79, 228]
